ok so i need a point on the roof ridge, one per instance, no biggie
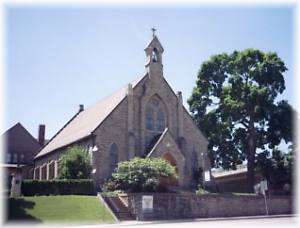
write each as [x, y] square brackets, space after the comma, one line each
[13, 126]
[50, 140]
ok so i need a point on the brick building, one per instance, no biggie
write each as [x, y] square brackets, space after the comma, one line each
[145, 118]
[234, 180]
[20, 148]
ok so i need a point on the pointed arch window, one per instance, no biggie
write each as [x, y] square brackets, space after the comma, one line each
[154, 55]
[149, 118]
[113, 157]
[160, 121]
[155, 115]
[183, 145]
[194, 158]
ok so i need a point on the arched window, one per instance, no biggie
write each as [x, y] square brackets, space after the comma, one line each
[37, 173]
[154, 55]
[51, 170]
[155, 115]
[149, 118]
[160, 120]
[154, 102]
[15, 158]
[22, 158]
[194, 160]
[156, 119]
[183, 145]
[8, 158]
[113, 157]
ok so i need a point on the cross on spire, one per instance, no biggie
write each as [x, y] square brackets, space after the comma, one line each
[153, 31]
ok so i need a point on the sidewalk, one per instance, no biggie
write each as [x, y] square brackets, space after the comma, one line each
[157, 222]
[206, 219]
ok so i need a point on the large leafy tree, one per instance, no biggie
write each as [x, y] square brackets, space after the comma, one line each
[235, 103]
[75, 164]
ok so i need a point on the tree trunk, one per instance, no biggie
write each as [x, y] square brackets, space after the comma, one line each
[251, 149]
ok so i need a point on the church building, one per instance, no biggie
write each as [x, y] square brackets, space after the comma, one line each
[145, 118]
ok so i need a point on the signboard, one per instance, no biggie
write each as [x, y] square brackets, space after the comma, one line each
[264, 186]
[147, 203]
[206, 176]
[261, 187]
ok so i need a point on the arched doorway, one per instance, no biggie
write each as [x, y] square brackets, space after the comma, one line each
[169, 157]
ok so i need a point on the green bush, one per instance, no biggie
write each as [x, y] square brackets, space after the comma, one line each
[75, 164]
[112, 193]
[57, 187]
[201, 191]
[141, 175]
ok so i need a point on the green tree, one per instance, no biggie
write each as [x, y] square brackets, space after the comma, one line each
[142, 175]
[75, 164]
[278, 168]
[235, 104]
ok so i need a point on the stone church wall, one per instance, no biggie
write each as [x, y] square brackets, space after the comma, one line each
[181, 206]
[112, 130]
[195, 142]
[142, 94]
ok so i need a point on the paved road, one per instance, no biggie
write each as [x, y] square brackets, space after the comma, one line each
[281, 222]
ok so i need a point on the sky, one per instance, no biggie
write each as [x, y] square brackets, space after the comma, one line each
[60, 57]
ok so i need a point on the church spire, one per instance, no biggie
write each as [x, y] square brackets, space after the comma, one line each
[154, 52]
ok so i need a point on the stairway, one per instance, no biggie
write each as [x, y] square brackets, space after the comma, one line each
[119, 208]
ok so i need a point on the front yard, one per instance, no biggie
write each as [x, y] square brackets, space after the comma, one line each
[69, 209]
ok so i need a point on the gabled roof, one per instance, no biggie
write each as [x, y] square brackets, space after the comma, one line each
[166, 136]
[157, 141]
[18, 139]
[85, 122]
[153, 143]
[155, 42]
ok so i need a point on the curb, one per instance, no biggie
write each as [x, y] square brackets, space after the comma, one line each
[125, 223]
[140, 223]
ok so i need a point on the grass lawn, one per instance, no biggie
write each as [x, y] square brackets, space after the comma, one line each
[69, 209]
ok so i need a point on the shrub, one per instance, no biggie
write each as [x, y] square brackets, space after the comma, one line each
[57, 187]
[200, 191]
[75, 164]
[141, 175]
[112, 193]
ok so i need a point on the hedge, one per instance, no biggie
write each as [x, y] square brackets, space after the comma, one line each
[58, 187]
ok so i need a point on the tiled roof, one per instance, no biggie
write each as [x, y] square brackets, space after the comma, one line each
[85, 122]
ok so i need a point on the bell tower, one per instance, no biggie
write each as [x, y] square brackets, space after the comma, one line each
[154, 52]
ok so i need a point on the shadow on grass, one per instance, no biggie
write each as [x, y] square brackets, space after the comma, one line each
[16, 211]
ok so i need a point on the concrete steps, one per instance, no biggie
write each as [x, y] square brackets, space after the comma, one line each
[119, 208]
